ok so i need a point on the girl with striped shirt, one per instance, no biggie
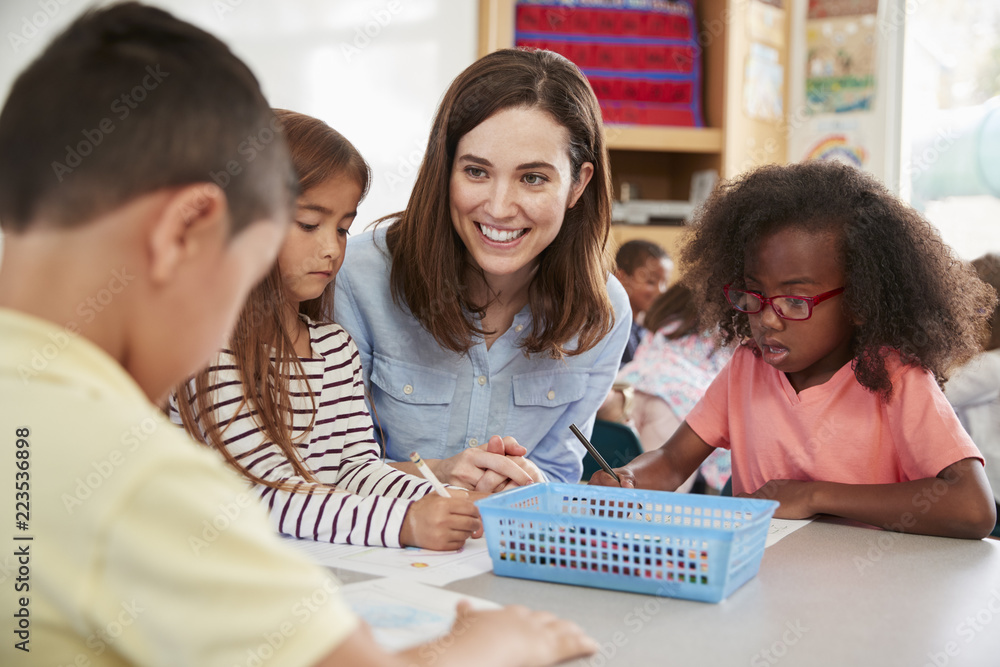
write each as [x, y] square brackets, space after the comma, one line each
[284, 402]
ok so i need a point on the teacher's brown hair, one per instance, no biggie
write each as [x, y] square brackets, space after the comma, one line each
[568, 295]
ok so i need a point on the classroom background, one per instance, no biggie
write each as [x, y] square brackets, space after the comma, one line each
[908, 90]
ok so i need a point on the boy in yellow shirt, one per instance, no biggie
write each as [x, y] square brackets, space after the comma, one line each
[144, 189]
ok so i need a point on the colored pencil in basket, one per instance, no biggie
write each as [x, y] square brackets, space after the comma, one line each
[593, 452]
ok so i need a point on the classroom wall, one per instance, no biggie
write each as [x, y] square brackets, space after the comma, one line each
[373, 69]
[876, 131]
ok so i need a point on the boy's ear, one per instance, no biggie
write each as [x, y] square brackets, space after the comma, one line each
[192, 216]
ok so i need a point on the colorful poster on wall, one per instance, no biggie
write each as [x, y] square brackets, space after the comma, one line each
[840, 71]
[763, 84]
[841, 141]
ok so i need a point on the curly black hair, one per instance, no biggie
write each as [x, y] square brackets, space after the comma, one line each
[904, 285]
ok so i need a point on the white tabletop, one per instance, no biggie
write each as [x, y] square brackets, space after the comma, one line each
[833, 593]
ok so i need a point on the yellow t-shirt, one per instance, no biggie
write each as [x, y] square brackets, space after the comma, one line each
[144, 547]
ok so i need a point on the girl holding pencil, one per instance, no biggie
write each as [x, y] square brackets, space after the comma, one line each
[849, 313]
[284, 402]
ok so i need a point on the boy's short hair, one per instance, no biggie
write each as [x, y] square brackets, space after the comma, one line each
[633, 254]
[128, 100]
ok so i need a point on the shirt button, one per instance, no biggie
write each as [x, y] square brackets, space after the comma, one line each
[519, 328]
[482, 379]
[551, 394]
[408, 389]
[473, 442]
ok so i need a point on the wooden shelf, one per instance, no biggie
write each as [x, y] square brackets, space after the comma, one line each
[660, 162]
[732, 142]
[669, 139]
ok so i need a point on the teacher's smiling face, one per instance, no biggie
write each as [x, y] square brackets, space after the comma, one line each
[511, 184]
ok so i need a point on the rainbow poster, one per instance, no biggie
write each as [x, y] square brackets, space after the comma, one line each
[837, 147]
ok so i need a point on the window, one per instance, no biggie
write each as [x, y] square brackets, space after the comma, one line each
[950, 155]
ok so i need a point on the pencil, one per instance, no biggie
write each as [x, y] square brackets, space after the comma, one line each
[426, 471]
[593, 452]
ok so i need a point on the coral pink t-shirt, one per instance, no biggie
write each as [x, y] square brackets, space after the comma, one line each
[837, 431]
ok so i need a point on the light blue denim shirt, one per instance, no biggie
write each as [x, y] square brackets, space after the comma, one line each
[438, 402]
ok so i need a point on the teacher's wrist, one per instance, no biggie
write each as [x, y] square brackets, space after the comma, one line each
[442, 472]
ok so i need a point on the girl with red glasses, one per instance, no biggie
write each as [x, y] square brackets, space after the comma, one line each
[848, 313]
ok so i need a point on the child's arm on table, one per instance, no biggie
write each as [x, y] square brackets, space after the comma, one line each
[508, 637]
[383, 506]
[956, 503]
[662, 469]
[325, 513]
[357, 499]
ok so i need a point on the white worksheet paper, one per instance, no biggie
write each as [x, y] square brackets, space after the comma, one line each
[781, 528]
[437, 568]
[403, 613]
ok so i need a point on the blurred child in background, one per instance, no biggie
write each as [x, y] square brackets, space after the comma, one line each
[974, 389]
[643, 268]
[675, 363]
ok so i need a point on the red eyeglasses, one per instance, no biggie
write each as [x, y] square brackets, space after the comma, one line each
[787, 307]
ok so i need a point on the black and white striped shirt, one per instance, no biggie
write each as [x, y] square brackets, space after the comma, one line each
[370, 499]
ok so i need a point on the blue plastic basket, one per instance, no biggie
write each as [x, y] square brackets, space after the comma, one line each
[671, 544]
